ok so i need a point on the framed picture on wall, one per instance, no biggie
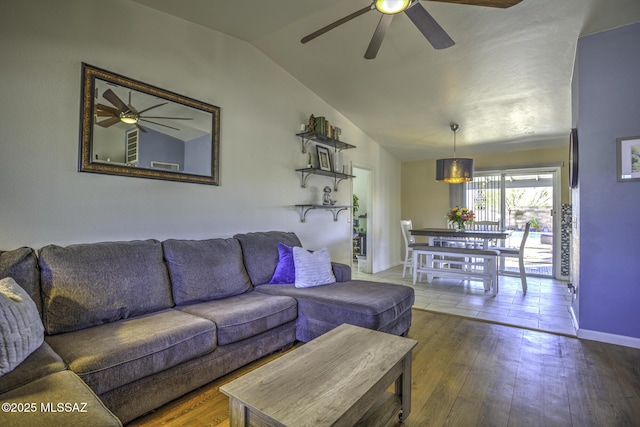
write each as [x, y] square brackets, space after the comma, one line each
[324, 159]
[628, 149]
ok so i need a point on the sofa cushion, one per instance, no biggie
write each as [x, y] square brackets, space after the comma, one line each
[22, 265]
[371, 305]
[80, 406]
[246, 315]
[43, 361]
[92, 284]
[312, 268]
[118, 353]
[342, 272]
[260, 252]
[203, 270]
[21, 330]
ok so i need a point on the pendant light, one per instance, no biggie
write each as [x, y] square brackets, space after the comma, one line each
[454, 170]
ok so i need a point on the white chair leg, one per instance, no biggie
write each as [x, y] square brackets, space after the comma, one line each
[494, 273]
[408, 262]
[414, 260]
[523, 275]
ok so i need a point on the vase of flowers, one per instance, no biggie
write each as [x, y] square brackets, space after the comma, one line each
[459, 217]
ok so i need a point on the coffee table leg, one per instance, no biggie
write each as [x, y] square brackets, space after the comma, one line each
[237, 413]
[403, 387]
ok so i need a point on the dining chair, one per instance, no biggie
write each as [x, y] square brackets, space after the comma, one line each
[484, 226]
[409, 245]
[517, 253]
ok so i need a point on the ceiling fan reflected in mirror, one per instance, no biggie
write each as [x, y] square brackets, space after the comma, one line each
[126, 113]
[428, 26]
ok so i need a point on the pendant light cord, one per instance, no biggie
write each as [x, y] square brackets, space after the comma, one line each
[454, 128]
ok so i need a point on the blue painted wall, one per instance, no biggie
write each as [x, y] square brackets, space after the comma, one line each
[158, 147]
[608, 107]
[197, 155]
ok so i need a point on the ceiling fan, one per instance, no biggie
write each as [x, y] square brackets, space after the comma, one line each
[126, 113]
[428, 26]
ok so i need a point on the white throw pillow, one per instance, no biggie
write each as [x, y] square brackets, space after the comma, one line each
[21, 330]
[312, 268]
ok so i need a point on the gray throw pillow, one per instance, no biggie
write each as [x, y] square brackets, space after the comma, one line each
[21, 330]
[312, 268]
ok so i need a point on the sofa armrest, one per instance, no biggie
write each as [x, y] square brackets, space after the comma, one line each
[341, 271]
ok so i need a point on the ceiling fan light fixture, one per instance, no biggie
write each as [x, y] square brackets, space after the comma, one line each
[391, 7]
[454, 170]
[128, 118]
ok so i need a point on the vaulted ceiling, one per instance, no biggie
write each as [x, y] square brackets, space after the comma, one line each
[506, 81]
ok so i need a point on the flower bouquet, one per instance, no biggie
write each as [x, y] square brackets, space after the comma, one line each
[460, 217]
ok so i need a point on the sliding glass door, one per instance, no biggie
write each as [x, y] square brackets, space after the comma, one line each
[513, 198]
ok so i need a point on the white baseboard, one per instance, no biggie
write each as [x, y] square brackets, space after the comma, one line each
[574, 319]
[603, 336]
[609, 338]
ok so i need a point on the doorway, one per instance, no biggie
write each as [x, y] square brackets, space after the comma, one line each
[513, 198]
[361, 190]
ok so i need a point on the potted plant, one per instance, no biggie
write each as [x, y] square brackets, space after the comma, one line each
[534, 224]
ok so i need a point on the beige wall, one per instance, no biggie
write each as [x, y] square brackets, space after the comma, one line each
[426, 201]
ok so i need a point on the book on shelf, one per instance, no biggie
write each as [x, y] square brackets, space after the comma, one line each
[322, 126]
[319, 125]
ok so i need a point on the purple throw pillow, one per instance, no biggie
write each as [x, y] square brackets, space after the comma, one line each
[285, 270]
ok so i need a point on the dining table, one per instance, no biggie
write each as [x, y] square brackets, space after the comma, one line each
[480, 236]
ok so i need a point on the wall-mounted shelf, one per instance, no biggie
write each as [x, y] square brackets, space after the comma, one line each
[338, 177]
[306, 137]
[335, 210]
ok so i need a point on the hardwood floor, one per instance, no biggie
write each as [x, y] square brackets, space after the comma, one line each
[471, 373]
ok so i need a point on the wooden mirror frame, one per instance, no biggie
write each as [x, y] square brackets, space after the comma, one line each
[88, 118]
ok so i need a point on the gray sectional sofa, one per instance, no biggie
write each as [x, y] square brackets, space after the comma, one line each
[130, 326]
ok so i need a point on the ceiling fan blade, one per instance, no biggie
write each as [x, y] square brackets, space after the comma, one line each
[503, 4]
[150, 108]
[339, 22]
[159, 124]
[107, 109]
[105, 114]
[168, 118]
[130, 106]
[141, 128]
[378, 36]
[109, 122]
[110, 96]
[428, 26]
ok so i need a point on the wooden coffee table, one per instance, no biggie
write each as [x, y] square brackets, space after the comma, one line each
[338, 379]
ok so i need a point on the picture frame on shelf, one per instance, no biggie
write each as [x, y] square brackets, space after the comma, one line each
[628, 149]
[324, 158]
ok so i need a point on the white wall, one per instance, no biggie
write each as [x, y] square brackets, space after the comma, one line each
[43, 199]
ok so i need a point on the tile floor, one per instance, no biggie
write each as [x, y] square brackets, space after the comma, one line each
[545, 307]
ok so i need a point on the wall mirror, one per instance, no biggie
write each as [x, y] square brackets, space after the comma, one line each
[134, 129]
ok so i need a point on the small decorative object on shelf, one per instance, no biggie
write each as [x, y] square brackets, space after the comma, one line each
[311, 127]
[459, 217]
[326, 198]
